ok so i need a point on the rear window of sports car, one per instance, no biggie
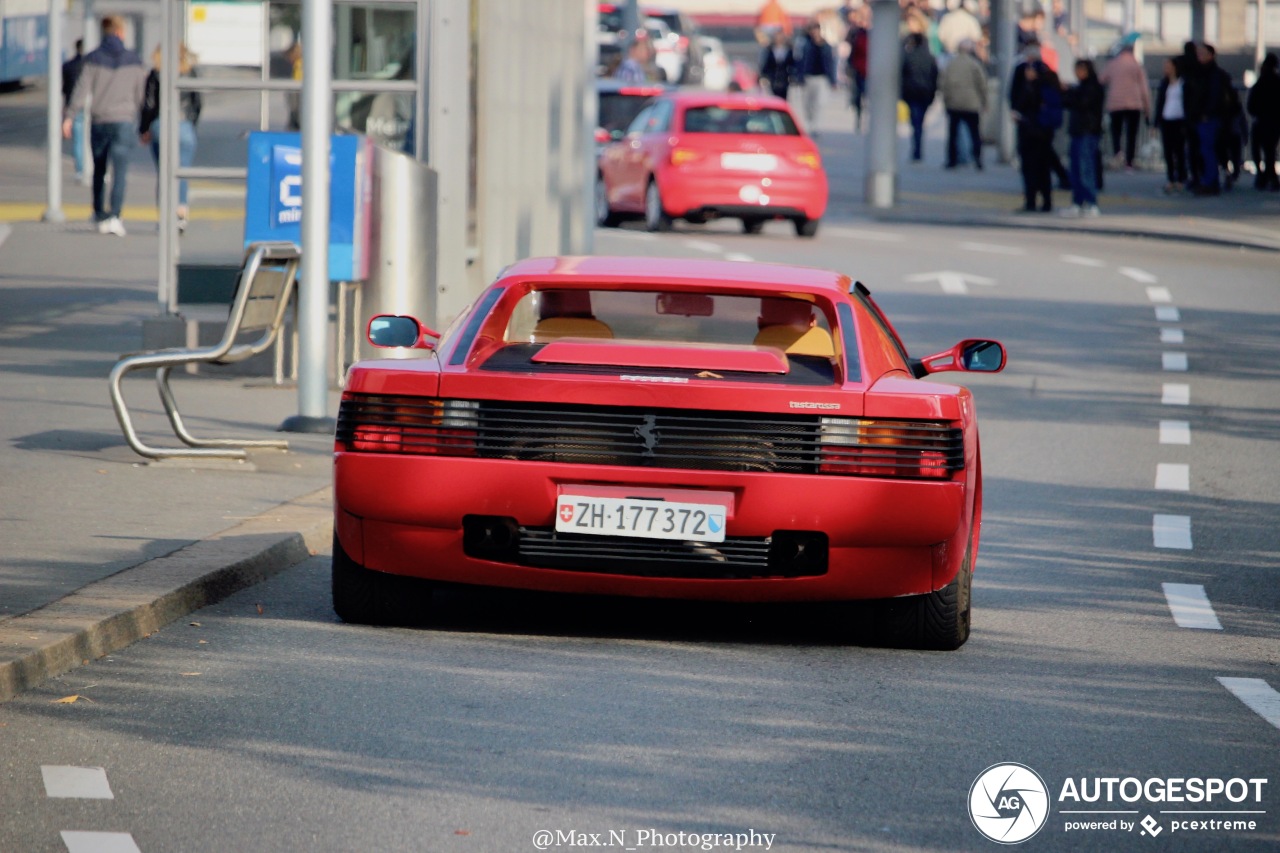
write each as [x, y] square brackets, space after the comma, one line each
[765, 122]
[797, 326]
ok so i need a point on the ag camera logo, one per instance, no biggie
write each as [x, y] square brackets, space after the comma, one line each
[1008, 803]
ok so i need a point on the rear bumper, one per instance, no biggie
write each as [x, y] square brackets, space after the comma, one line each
[792, 195]
[405, 515]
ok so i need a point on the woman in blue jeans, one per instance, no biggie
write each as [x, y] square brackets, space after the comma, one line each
[1083, 103]
[149, 125]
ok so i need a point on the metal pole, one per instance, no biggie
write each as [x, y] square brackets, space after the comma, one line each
[1003, 24]
[313, 292]
[1077, 27]
[884, 61]
[1260, 47]
[1197, 21]
[53, 212]
[90, 42]
[171, 39]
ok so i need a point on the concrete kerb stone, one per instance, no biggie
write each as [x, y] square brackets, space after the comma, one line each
[119, 610]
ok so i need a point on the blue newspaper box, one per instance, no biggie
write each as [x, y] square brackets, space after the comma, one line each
[273, 198]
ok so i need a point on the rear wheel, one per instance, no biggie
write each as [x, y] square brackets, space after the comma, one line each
[605, 217]
[655, 218]
[806, 227]
[937, 620]
[752, 225]
[367, 597]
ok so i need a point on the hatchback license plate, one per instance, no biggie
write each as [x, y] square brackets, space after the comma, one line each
[650, 519]
[749, 162]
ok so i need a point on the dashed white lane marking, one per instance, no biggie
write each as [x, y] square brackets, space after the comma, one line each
[951, 281]
[86, 783]
[1176, 394]
[1175, 432]
[1258, 695]
[1081, 260]
[1167, 314]
[99, 842]
[861, 234]
[1190, 606]
[1172, 531]
[5, 231]
[1172, 336]
[704, 246]
[738, 256]
[1159, 294]
[1138, 275]
[1173, 477]
[993, 248]
[1174, 361]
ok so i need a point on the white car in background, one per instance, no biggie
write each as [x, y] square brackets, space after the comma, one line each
[716, 73]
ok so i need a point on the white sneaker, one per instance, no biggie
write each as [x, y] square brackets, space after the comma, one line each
[112, 226]
[1092, 211]
[1072, 212]
[103, 227]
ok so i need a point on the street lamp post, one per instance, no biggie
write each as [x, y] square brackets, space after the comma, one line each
[884, 58]
[53, 211]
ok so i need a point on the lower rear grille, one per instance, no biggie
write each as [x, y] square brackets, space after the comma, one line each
[784, 554]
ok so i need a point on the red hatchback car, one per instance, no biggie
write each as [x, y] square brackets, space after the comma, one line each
[701, 155]
[665, 428]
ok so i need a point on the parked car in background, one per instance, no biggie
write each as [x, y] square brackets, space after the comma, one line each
[663, 428]
[716, 72]
[676, 45]
[618, 104]
[698, 155]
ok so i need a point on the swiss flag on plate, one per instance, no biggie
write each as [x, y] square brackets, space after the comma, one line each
[566, 512]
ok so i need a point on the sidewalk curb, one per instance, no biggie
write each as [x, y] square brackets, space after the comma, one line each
[136, 602]
[1109, 228]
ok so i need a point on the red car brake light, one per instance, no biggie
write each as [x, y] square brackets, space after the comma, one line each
[808, 158]
[681, 156]
[898, 449]
[375, 423]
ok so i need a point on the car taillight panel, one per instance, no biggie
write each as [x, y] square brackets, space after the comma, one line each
[382, 423]
[808, 158]
[883, 448]
[681, 156]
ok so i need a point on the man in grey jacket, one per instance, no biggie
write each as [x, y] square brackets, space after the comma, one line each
[964, 94]
[113, 79]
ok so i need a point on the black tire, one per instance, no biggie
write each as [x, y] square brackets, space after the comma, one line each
[367, 597]
[806, 227]
[605, 217]
[937, 620]
[655, 216]
[752, 225]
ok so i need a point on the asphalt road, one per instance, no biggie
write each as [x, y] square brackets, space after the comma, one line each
[263, 723]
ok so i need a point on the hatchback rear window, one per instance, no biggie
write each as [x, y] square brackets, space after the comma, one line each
[765, 121]
[619, 109]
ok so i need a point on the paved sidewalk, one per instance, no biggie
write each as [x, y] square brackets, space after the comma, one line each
[78, 508]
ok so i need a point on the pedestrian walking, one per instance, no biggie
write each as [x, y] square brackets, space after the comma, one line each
[635, 68]
[1171, 119]
[958, 25]
[1264, 107]
[919, 87]
[70, 74]
[1128, 102]
[1083, 103]
[963, 84]
[815, 72]
[1037, 111]
[1205, 99]
[778, 64]
[112, 80]
[190, 104]
[857, 39]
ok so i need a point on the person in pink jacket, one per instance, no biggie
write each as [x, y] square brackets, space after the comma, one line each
[1128, 100]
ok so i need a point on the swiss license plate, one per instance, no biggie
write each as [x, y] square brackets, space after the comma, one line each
[748, 162]
[650, 519]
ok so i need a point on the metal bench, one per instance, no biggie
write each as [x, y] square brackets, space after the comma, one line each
[265, 285]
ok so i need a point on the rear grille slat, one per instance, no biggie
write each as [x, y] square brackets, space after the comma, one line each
[654, 438]
[743, 557]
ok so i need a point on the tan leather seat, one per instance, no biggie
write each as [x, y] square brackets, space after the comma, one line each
[551, 328]
[794, 341]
